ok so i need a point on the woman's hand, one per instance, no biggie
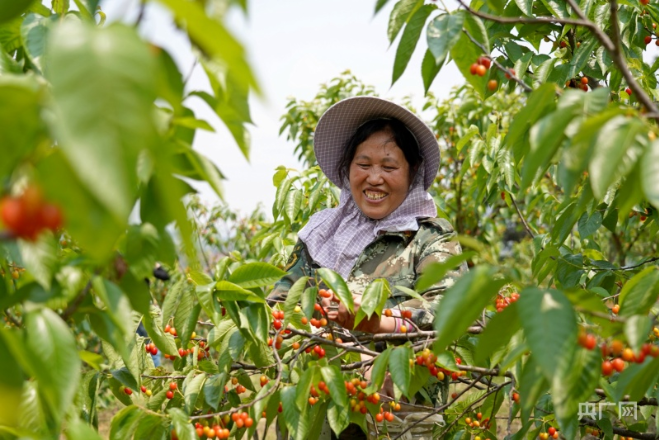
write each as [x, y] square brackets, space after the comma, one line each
[345, 319]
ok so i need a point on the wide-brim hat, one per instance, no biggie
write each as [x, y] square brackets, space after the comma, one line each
[339, 123]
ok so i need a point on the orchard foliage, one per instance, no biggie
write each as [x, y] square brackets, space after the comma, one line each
[553, 193]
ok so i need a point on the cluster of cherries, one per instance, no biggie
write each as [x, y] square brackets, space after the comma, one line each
[322, 386]
[428, 359]
[621, 354]
[551, 432]
[579, 83]
[27, 215]
[478, 423]
[215, 431]
[151, 348]
[503, 301]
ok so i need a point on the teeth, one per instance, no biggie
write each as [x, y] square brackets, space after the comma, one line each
[375, 195]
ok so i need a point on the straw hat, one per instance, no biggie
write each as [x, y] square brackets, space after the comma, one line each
[339, 123]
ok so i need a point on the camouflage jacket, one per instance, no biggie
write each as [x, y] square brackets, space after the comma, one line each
[399, 257]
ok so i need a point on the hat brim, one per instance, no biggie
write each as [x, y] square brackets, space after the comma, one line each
[339, 123]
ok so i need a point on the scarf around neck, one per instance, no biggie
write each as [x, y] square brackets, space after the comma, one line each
[335, 237]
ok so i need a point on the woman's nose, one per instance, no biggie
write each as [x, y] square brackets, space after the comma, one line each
[374, 176]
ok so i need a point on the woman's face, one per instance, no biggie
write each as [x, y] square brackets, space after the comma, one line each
[379, 176]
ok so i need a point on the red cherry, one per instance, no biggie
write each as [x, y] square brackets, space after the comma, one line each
[173, 386]
[169, 395]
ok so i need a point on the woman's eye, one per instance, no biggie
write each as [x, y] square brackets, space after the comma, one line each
[389, 168]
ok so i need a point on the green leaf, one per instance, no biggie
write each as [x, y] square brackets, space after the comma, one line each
[380, 369]
[400, 369]
[373, 299]
[650, 173]
[55, 362]
[379, 5]
[545, 139]
[214, 40]
[463, 303]
[588, 225]
[34, 35]
[532, 385]
[256, 320]
[498, 332]
[214, 390]
[637, 329]
[309, 377]
[171, 300]
[295, 420]
[256, 275]
[184, 429]
[401, 14]
[338, 417]
[227, 291]
[577, 372]
[96, 72]
[94, 360]
[435, 272]
[409, 39]
[308, 300]
[614, 147]
[539, 103]
[639, 294]
[10, 9]
[40, 258]
[292, 204]
[294, 295]
[525, 6]
[192, 390]
[164, 342]
[334, 380]
[185, 319]
[336, 283]
[124, 423]
[151, 426]
[637, 380]
[429, 69]
[548, 320]
[79, 430]
[443, 33]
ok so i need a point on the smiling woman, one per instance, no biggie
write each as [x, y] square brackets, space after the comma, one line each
[384, 158]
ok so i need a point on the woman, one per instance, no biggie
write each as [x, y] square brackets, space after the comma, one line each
[384, 159]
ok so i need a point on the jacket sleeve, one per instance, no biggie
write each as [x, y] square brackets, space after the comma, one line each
[435, 246]
[298, 265]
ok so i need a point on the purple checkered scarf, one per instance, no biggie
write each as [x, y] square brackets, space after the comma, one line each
[336, 237]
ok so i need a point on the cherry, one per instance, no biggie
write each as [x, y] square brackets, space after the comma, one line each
[128, 391]
[173, 386]
[615, 309]
[473, 69]
[629, 92]
[143, 389]
[304, 320]
[485, 61]
[389, 417]
[379, 417]
[264, 380]
[607, 368]
[647, 39]
[616, 347]
[492, 85]
[584, 80]
[481, 70]
[628, 354]
[169, 395]
[618, 364]
[276, 324]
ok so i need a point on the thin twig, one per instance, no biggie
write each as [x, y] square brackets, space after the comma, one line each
[526, 225]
